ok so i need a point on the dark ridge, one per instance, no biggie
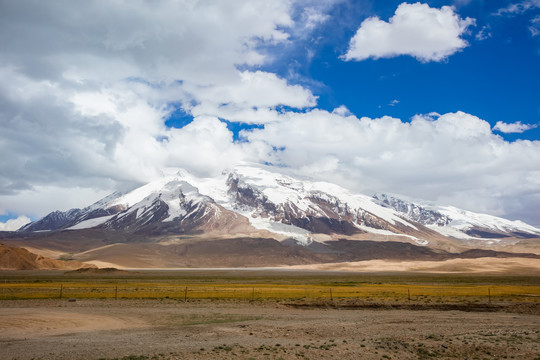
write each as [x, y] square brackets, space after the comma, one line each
[72, 241]
[324, 225]
[523, 235]
[355, 250]
[485, 234]
[53, 221]
[478, 253]
[245, 252]
[97, 271]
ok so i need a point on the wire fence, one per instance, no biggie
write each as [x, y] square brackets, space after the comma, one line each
[253, 292]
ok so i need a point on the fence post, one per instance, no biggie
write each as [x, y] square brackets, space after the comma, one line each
[185, 295]
[489, 296]
[331, 296]
[116, 292]
[409, 295]
[252, 294]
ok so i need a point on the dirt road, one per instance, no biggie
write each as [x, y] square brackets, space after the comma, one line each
[170, 329]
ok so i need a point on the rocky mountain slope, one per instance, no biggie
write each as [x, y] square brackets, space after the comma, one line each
[255, 201]
[12, 258]
[451, 221]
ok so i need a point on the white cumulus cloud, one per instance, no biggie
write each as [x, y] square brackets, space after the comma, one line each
[86, 87]
[240, 100]
[14, 224]
[428, 34]
[516, 127]
[84, 96]
[453, 158]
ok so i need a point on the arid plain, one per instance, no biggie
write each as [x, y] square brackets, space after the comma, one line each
[269, 314]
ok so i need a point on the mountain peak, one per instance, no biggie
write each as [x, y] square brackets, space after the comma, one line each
[255, 199]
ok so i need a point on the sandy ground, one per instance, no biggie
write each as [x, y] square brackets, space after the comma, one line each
[22, 323]
[470, 266]
[170, 329]
[488, 265]
[55, 254]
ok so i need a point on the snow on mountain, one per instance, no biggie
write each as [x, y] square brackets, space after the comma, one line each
[90, 223]
[54, 220]
[458, 223]
[281, 189]
[249, 197]
[269, 198]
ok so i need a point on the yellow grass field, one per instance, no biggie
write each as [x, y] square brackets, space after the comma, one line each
[188, 288]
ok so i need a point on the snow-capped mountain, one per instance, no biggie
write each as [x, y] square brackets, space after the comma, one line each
[454, 222]
[246, 200]
[167, 206]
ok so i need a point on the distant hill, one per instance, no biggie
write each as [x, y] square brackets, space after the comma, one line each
[12, 258]
[88, 270]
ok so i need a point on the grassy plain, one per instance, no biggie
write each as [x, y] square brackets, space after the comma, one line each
[271, 285]
[267, 314]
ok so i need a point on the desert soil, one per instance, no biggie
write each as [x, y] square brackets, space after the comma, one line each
[484, 265]
[170, 329]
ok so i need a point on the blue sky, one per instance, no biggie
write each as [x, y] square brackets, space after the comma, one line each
[444, 107]
[496, 78]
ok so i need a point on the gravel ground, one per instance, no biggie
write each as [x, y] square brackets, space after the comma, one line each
[170, 329]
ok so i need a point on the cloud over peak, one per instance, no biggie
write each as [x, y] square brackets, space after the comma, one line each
[88, 90]
[435, 157]
[417, 30]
